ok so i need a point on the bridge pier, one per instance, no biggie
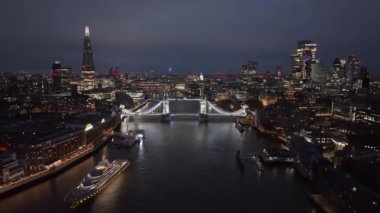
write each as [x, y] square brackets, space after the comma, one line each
[166, 117]
[203, 117]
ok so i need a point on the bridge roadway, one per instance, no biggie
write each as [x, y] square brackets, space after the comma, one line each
[151, 111]
[186, 114]
[176, 99]
[184, 99]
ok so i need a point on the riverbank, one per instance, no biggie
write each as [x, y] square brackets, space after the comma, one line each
[210, 146]
[58, 167]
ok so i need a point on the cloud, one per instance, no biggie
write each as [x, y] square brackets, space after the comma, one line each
[208, 35]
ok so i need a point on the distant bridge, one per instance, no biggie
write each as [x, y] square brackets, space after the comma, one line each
[162, 109]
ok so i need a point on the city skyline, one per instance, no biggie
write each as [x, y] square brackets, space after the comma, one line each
[186, 37]
[251, 105]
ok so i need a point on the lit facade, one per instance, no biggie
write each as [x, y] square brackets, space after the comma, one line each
[351, 68]
[361, 82]
[302, 60]
[88, 67]
[250, 68]
[10, 168]
[337, 76]
[61, 77]
[318, 73]
[249, 71]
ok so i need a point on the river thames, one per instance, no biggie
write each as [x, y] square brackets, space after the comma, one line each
[181, 166]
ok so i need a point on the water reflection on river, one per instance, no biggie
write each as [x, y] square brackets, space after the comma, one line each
[182, 166]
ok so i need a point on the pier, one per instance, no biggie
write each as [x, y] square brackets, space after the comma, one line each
[277, 156]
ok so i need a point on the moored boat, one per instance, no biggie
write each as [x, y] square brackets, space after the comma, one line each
[95, 181]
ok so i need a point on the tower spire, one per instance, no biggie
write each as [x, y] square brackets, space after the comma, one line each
[87, 31]
[88, 67]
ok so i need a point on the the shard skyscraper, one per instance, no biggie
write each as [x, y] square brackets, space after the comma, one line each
[88, 67]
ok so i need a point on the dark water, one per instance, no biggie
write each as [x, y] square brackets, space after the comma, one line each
[182, 166]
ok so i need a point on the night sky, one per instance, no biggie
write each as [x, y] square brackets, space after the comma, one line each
[194, 35]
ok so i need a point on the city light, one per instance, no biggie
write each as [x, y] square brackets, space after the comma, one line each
[212, 108]
[88, 127]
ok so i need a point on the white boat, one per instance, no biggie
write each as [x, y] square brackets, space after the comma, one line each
[95, 181]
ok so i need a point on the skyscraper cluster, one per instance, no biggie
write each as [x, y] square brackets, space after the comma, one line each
[345, 74]
[348, 74]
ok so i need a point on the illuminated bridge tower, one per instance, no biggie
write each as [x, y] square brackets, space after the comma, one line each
[165, 109]
[88, 67]
[203, 107]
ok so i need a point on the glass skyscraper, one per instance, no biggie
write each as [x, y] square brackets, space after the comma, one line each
[88, 67]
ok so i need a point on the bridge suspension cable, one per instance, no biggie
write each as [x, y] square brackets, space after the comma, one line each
[240, 112]
[150, 110]
[145, 112]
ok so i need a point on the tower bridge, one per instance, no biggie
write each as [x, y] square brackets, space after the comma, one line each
[162, 108]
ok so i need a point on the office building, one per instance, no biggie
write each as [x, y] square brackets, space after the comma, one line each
[61, 76]
[302, 60]
[88, 67]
